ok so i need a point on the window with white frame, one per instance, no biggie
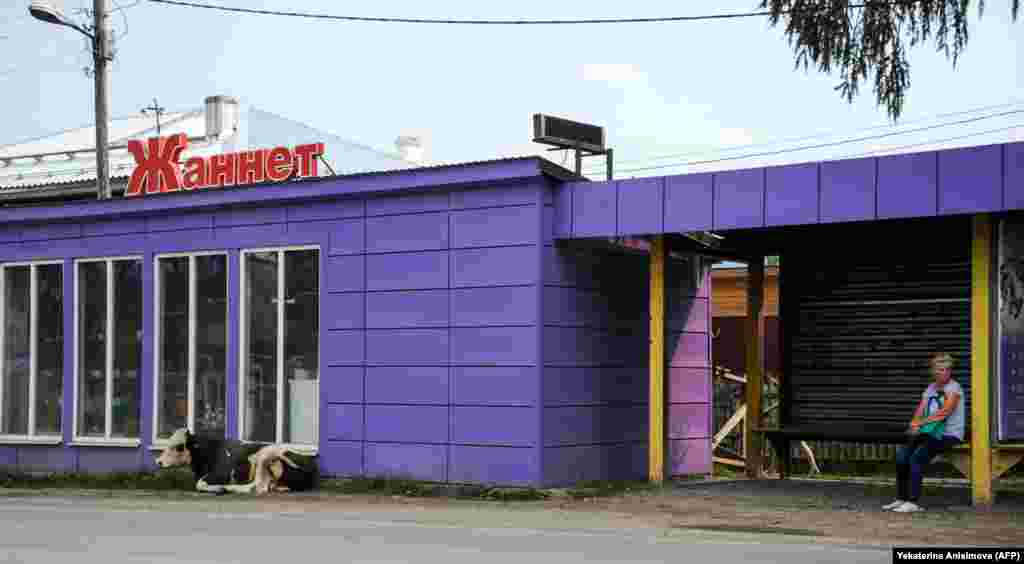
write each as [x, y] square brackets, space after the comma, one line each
[32, 363]
[108, 348]
[280, 345]
[192, 340]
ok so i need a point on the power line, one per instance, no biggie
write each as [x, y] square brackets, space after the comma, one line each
[484, 22]
[821, 145]
[813, 136]
[877, 152]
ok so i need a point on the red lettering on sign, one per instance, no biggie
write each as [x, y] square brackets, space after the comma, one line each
[251, 166]
[306, 156]
[158, 168]
[195, 173]
[222, 170]
[279, 164]
[156, 165]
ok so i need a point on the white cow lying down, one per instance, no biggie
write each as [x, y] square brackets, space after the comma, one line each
[226, 465]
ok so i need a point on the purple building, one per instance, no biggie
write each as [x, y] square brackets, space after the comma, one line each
[493, 322]
[426, 323]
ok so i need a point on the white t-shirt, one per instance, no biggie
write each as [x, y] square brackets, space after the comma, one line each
[955, 421]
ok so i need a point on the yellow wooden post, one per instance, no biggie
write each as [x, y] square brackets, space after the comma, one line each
[656, 405]
[755, 299]
[981, 444]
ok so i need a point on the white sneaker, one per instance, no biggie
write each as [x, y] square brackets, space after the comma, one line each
[908, 507]
[893, 505]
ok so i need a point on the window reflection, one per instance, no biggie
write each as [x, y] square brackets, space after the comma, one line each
[16, 350]
[211, 343]
[127, 348]
[261, 288]
[49, 348]
[173, 374]
[301, 337]
[92, 381]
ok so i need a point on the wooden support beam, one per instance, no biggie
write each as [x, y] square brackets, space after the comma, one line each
[1002, 461]
[729, 425]
[755, 364]
[981, 376]
[728, 461]
[656, 403]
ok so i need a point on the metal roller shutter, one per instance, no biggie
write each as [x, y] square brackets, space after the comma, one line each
[867, 319]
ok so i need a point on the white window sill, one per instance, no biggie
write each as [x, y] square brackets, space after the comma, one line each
[95, 442]
[22, 440]
[311, 450]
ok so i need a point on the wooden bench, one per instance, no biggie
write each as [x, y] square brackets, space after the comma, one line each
[1004, 457]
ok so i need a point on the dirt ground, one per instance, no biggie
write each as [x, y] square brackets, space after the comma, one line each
[828, 512]
[838, 512]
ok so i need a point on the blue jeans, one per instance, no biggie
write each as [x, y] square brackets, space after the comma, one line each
[911, 460]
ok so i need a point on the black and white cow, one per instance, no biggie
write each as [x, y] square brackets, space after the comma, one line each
[226, 465]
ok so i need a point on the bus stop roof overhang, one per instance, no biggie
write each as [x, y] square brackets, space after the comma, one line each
[753, 209]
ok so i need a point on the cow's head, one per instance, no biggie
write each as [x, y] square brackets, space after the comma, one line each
[178, 451]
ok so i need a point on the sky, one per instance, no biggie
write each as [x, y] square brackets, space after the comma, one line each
[683, 91]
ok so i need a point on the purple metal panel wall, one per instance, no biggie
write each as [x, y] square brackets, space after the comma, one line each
[429, 341]
[688, 374]
[595, 365]
[908, 186]
[689, 202]
[1013, 177]
[641, 207]
[441, 355]
[791, 195]
[739, 199]
[955, 181]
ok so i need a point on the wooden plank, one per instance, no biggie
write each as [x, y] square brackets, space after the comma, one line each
[981, 377]
[729, 462]
[729, 425]
[656, 405]
[755, 364]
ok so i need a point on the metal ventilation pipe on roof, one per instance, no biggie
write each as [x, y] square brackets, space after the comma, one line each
[411, 148]
[221, 116]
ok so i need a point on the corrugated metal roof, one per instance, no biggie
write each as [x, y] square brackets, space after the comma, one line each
[83, 138]
[261, 128]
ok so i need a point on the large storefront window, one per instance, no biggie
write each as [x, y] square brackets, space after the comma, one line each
[109, 348]
[280, 330]
[192, 301]
[32, 363]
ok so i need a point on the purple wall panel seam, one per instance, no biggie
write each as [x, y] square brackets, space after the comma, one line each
[618, 208]
[764, 197]
[714, 197]
[1002, 177]
[817, 169]
[572, 209]
[664, 203]
[539, 335]
[366, 286]
[875, 160]
[461, 248]
[450, 422]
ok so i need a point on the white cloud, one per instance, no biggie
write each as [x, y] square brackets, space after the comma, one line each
[734, 136]
[611, 72]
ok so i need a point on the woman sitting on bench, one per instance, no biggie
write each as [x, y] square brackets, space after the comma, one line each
[938, 424]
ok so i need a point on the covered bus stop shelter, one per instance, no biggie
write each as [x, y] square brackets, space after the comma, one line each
[883, 261]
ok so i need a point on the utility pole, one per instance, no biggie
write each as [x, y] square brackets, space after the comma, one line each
[101, 55]
[157, 111]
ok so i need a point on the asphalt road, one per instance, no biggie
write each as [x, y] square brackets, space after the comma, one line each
[44, 530]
